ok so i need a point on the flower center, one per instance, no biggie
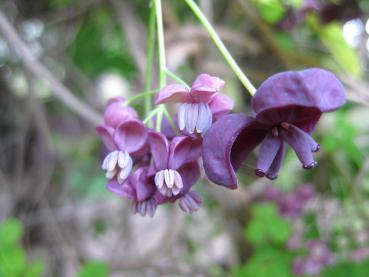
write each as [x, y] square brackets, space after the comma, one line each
[117, 163]
[195, 117]
[169, 182]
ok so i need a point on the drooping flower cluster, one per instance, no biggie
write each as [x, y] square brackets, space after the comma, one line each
[153, 168]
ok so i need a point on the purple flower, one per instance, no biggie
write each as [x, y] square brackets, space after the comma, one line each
[127, 141]
[287, 107]
[175, 169]
[117, 112]
[140, 188]
[200, 105]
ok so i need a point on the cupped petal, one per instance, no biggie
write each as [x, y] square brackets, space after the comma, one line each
[227, 144]
[124, 190]
[173, 94]
[182, 150]
[131, 136]
[107, 135]
[220, 105]
[117, 112]
[160, 149]
[295, 96]
[143, 185]
[206, 80]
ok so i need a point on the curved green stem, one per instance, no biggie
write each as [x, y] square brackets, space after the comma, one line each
[222, 48]
[146, 94]
[176, 78]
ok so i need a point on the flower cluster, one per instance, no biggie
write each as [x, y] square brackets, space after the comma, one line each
[153, 168]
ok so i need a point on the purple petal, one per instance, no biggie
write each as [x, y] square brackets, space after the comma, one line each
[117, 112]
[227, 144]
[160, 149]
[296, 96]
[220, 105]
[268, 151]
[124, 190]
[143, 185]
[106, 133]
[173, 94]
[182, 150]
[190, 202]
[273, 170]
[206, 80]
[301, 145]
[131, 136]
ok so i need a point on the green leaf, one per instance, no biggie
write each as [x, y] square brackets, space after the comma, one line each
[11, 232]
[13, 260]
[345, 269]
[94, 269]
[267, 225]
[271, 11]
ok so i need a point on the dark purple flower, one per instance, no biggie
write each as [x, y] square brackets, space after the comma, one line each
[140, 188]
[127, 141]
[287, 107]
[200, 105]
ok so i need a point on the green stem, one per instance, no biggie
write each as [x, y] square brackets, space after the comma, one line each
[222, 48]
[162, 60]
[149, 61]
[176, 78]
[170, 119]
[150, 115]
[146, 94]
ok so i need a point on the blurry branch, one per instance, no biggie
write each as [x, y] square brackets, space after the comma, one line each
[39, 71]
[134, 32]
[70, 12]
[359, 90]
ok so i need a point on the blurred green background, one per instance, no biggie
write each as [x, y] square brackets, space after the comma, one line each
[57, 218]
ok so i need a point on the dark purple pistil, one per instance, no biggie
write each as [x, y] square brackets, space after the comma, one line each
[272, 149]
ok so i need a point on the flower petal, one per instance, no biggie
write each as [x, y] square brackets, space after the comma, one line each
[131, 136]
[173, 94]
[296, 96]
[220, 105]
[160, 149]
[227, 144]
[268, 151]
[143, 185]
[273, 170]
[206, 80]
[182, 150]
[106, 133]
[117, 112]
[190, 174]
[124, 190]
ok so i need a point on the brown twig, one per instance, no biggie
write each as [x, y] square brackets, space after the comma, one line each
[39, 71]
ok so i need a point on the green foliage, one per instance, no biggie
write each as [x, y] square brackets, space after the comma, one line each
[345, 269]
[271, 11]
[13, 258]
[94, 269]
[267, 226]
[332, 37]
[99, 47]
[266, 262]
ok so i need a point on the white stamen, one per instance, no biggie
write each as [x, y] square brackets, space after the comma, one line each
[118, 163]
[169, 182]
[195, 117]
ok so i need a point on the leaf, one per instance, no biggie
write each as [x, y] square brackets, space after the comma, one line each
[94, 269]
[35, 269]
[267, 225]
[271, 11]
[11, 232]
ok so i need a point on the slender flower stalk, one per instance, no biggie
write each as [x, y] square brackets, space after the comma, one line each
[162, 59]
[176, 78]
[222, 48]
[149, 61]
